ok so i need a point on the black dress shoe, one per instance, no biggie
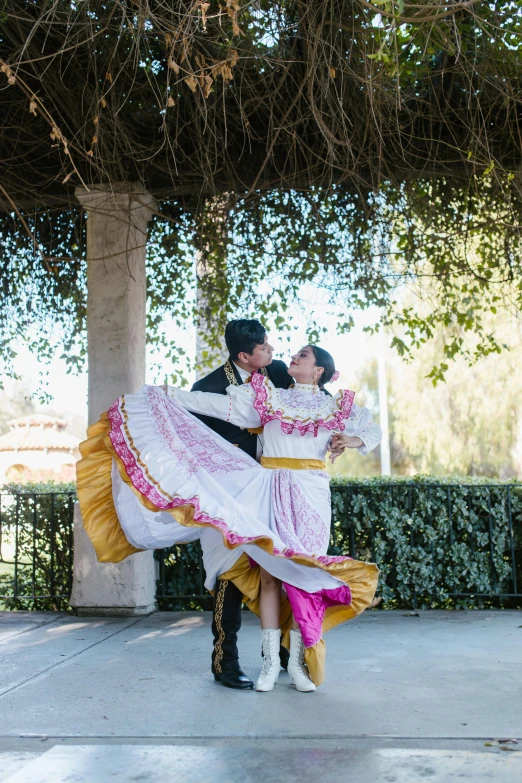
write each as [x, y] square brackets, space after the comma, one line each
[233, 678]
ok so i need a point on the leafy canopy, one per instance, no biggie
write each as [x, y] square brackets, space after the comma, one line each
[357, 146]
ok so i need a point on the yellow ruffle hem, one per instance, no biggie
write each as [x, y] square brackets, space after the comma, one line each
[94, 487]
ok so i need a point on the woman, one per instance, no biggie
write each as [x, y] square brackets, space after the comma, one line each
[152, 475]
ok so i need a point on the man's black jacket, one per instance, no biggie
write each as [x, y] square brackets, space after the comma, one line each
[218, 382]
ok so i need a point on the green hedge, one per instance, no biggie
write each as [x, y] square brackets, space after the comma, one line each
[36, 532]
[439, 542]
[181, 574]
[432, 538]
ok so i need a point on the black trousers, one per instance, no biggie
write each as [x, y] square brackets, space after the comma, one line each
[226, 622]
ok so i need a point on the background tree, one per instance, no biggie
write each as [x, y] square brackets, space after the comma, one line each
[212, 239]
[470, 424]
[14, 403]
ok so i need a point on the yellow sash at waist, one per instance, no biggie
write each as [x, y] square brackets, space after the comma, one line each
[293, 464]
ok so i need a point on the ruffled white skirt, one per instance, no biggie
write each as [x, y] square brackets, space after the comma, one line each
[152, 475]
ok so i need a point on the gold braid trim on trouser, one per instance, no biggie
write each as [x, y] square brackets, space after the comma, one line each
[218, 617]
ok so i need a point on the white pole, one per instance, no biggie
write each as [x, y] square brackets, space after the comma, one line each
[383, 406]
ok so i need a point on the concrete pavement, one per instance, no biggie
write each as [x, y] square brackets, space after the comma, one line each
[119, 764]
[436, 681]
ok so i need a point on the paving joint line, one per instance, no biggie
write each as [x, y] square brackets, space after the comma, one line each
[247, 737]
[70, 658]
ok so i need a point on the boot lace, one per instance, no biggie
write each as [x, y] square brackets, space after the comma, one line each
[300, 657]
[301, 654]
[267, 659]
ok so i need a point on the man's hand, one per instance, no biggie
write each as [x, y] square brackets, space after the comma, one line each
[340, 442]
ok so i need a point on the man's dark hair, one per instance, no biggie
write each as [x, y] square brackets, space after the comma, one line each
[242, 335]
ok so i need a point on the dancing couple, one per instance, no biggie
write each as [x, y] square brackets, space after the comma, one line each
[166, 466]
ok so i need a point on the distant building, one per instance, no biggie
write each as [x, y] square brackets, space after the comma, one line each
[37, 448]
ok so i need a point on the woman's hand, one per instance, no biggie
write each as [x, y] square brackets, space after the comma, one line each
[165, 388]
[340, 442]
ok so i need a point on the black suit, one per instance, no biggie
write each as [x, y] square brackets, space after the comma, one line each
[218, 383]
[226, 620]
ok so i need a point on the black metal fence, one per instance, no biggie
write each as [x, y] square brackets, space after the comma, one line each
[36, 550]
[437, 545]
[181, 578]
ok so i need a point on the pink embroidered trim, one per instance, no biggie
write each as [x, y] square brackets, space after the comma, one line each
[266, 413]
[193, 449]
[148, 490]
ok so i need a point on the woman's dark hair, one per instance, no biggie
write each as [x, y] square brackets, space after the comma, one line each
[242, 335]
[323, 359]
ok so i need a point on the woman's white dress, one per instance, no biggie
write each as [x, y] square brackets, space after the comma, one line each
[173, 480]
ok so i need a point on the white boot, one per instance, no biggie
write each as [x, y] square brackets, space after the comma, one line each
[270, 643]
[296, 668]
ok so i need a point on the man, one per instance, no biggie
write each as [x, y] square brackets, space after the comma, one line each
[249, 352]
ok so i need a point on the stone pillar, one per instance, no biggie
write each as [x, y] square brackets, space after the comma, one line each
[117, 217]
[123, 589]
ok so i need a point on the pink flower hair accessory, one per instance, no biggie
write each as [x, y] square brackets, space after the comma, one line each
[335, 377]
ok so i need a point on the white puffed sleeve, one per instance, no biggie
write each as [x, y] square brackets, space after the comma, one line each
[359, 424]
[237, 406]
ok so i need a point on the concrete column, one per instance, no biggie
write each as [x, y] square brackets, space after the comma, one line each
[125, 589]
[116, 290]
[117, 217]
